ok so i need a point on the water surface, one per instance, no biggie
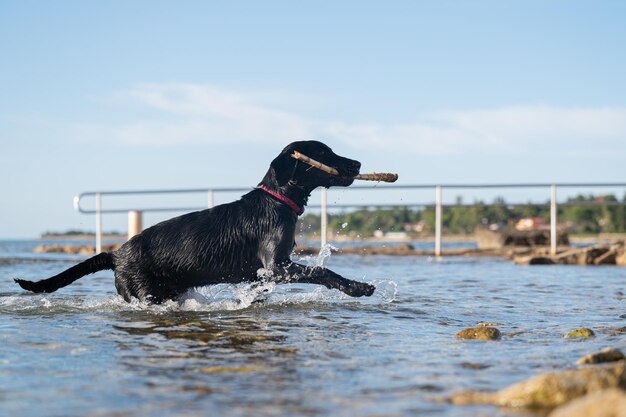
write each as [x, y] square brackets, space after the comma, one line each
[306, 350]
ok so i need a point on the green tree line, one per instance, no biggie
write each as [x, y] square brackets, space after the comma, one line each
[465, 219]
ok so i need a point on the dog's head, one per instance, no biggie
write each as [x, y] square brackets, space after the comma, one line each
[286, 170]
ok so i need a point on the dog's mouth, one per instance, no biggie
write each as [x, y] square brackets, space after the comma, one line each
[346, 174]
[351, 170]
[342, 181]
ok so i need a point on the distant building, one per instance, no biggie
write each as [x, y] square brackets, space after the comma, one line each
[390, 235]
[530, 223]
[419, 227]
[396, 235]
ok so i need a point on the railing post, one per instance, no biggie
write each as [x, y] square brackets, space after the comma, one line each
[135, 220]
[324, 217]
[98, 223]
[210, 199]
[553, 220]
[438, 220]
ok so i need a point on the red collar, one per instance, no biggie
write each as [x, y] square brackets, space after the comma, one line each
[296, 208]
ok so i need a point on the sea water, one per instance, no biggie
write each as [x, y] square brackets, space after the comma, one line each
[304, 350]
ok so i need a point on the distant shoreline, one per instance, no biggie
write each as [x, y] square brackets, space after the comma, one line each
[81, 236]
[601, 237]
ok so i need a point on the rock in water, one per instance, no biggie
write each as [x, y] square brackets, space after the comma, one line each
[480, 333]
[551, 389]
[606, 403]
[583, 332]
[605, 355]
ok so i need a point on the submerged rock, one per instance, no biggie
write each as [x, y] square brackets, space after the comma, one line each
[551, 389]
[232, 369]
[475, 366]
[583, 332]
[605, 403]
[490, 324]
[605, 355]
[480, 333]
[615, 331]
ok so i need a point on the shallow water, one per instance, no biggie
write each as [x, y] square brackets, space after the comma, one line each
[304, 351]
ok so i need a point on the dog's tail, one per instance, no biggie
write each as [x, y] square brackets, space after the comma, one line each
[96, 263]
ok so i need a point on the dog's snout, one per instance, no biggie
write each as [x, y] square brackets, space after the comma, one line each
[352, 168]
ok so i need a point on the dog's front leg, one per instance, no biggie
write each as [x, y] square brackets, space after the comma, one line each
[292, 272]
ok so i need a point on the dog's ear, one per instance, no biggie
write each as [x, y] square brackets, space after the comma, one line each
[282, 169]
[285, 167]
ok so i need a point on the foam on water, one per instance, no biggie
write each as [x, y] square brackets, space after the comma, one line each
[221, 297]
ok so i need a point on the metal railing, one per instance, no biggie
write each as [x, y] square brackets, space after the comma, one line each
[438, 204]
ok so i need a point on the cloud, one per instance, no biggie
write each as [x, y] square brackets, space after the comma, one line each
[173, 114]
[506, 130]
[541, 125]
[187, 113]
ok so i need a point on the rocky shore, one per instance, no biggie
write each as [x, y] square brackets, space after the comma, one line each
[555, 392]
[602, 254]
[609, 254]
[612, 254]
[594, 387]
[74, 249]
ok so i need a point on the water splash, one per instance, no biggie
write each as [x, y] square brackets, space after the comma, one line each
[220, 297]
[386, 291]
[225, 297]
[321, 259]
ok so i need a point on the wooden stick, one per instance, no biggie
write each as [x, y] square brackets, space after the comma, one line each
[314, 163]
[378, 176]
[375, 176]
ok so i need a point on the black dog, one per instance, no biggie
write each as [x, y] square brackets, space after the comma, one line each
[229, 243]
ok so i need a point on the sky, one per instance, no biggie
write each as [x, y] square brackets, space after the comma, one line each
[121, 95]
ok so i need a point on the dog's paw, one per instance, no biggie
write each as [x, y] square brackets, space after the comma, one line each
[360, 289]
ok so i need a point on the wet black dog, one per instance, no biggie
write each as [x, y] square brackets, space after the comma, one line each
[245, 241]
